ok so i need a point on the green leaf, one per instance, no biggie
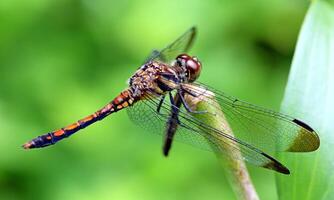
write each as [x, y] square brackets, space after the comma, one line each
[309, 96]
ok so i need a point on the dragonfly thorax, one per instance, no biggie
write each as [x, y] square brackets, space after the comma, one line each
[159, 78]
[151, 77]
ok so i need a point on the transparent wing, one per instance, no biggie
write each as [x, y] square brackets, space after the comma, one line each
[154, 55]
[179, 46]
[262, 128]
[196, 132]
[144, 114]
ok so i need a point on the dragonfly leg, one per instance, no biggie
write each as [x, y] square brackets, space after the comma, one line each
[187, 107]
[172, 102]
[172, 123]
[160, 104]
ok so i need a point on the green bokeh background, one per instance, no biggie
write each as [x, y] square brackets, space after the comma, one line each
[61, 60]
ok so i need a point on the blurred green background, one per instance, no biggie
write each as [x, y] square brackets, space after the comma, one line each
[61, 60]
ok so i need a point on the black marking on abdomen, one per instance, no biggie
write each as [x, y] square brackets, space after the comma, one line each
[302, 124]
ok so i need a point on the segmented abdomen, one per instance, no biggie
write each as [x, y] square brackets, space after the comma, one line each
[123, 100]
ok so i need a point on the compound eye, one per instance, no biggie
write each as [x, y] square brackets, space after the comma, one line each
[194, 69]
[191, 64]
[182, 59]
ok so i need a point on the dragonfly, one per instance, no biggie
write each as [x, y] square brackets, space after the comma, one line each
[160, 98]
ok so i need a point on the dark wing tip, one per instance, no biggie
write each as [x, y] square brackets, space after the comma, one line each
[275, 165]
[302, 124]
[307, 139]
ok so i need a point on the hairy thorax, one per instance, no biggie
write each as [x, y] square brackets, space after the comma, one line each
[146, 78]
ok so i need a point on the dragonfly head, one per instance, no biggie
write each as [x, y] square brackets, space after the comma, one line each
[191, 65]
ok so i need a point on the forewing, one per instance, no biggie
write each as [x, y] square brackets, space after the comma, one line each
[179, 46]
[262, 128]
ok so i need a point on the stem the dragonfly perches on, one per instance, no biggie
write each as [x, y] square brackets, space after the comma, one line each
[235, 169]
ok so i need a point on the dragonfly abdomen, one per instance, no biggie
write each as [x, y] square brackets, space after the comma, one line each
[123, 100]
